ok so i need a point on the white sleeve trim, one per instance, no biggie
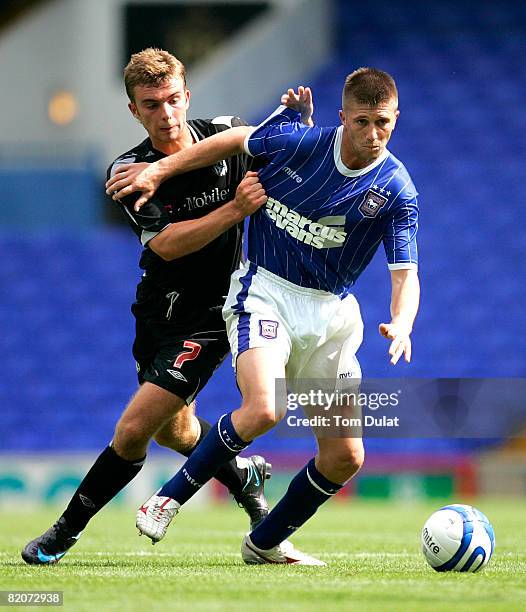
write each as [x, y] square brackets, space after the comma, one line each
[223, 120]
[278, 111]
[245, 142]
[147, 236]
[408, 265]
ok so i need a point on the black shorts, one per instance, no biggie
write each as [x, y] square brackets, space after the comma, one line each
[179, 355]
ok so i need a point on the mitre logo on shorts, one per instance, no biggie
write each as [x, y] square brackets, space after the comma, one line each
[268, 329]
[325, 233]
[372, 203]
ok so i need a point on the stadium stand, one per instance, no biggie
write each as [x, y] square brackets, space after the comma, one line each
[64, 313]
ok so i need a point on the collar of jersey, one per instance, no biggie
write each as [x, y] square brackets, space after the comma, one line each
[342, 168]
[195, 135]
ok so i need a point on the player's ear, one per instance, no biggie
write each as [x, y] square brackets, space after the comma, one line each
[342, 116]
[397, 114]
[133, 111]
[187, 96]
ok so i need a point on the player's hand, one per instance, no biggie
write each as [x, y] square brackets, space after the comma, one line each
[250, 195]
[401, 341]
[300, 101]
[130, 178]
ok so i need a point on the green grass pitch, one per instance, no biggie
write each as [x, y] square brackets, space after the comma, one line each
[372, 549]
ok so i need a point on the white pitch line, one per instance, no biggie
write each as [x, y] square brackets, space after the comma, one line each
[330, 555]
[144, 553]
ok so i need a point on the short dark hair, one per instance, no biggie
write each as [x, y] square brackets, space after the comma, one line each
[369, 86]
[151, 68]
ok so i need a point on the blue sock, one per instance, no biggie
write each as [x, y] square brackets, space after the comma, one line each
[307, 491]
[221, 444]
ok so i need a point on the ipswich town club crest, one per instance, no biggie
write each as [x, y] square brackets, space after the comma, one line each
[268, 329]
[372, 203]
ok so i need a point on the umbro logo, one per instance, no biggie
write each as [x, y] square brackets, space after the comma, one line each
[176, 374]
[86, 501]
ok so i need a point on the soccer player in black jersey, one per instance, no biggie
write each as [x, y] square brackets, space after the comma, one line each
[191, 233]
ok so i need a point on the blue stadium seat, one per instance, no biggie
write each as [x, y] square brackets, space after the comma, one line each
[64, 314]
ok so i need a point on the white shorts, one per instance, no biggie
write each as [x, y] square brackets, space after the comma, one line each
[313, 333]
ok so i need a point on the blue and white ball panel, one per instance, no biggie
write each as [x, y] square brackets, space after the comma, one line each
[458, 538]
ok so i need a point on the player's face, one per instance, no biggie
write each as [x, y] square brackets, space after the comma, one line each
[162, 112]
[366, 131]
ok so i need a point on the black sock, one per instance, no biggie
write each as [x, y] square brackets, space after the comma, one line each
[229, 474]
[107, 476]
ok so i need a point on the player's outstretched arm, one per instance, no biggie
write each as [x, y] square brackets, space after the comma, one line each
[300, 101]
[405, 297]
[185, 237]
[129, 179]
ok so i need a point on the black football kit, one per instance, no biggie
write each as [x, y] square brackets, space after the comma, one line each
[180, 334]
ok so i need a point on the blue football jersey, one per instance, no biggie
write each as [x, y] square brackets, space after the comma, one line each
[323, 222]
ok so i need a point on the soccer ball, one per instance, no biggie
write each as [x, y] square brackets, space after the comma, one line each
[458, 538]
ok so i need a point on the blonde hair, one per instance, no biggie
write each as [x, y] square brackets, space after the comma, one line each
[152, 67]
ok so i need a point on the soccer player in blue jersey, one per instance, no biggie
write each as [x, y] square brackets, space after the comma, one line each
[334, 194]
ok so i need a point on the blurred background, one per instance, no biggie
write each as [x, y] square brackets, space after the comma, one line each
[69, 263]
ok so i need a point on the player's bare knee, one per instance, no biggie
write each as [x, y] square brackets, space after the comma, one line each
[183, 441]
[350, 460]
[342, 463]
[165, 439]
[181, 432]
[263, 422]
[263, 416]
[130, 434]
